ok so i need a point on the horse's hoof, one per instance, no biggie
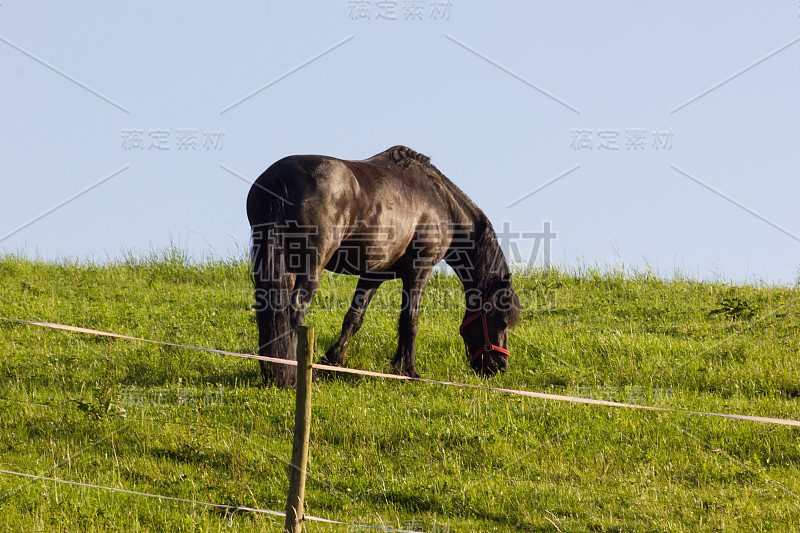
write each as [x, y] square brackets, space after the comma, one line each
[412, 373]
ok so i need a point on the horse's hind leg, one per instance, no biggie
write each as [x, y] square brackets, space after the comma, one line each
[305, 286]
[353, 319]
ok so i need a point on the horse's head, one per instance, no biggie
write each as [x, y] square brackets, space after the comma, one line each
[485, 328]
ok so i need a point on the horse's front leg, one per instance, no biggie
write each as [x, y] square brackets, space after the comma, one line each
[367, 285]
[414, 284]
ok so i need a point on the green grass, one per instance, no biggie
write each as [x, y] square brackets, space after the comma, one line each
[199, 426]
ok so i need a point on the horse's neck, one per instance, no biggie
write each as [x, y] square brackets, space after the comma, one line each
[478, 261]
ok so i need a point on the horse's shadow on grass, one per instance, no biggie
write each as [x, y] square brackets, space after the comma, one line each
[144, 374]
[323, 375]
[169, 366]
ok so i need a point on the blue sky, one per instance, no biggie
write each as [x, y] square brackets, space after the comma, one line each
[660, 135]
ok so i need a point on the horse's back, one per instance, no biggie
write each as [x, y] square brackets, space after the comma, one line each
[357, 190]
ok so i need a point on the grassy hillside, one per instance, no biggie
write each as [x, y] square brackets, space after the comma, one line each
[199, 426]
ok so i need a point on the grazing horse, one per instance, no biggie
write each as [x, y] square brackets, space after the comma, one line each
[393, 215]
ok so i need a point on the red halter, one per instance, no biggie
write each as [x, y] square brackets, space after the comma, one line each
[487, 344]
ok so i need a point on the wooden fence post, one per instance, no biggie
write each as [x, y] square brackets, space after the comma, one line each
[302, 430]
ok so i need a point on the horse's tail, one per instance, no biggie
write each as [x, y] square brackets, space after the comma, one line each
[273, 286]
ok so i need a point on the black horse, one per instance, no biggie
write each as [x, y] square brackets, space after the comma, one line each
[393, 215]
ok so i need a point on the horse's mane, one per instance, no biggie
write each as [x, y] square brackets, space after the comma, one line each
[405, 156]
[489, 256]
